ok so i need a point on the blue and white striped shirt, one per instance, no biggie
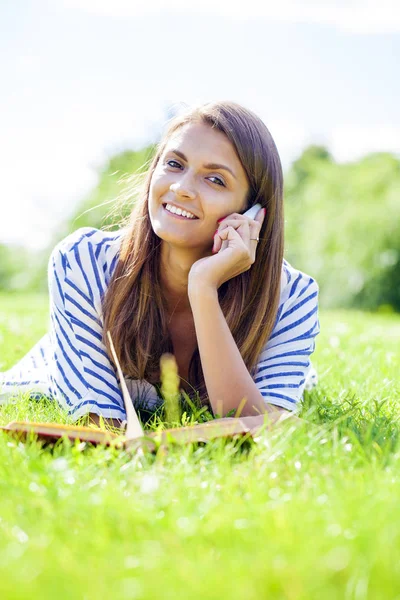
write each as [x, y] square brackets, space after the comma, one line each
[70, 363]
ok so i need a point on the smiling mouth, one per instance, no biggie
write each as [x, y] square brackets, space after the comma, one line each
[178, 216]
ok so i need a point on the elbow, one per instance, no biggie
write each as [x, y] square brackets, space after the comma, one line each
[259, 406]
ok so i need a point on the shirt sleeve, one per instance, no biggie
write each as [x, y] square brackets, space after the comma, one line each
[82, 377]
[285, 360]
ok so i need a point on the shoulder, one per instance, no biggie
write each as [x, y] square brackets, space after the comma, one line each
[89, 236]
[84, 261]
[299, 300]
[89, 244]
[296, 283]
[297, 319]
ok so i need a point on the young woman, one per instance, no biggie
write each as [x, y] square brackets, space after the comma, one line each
[189, 274]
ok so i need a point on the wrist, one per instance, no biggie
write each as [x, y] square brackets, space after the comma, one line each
[200, 289]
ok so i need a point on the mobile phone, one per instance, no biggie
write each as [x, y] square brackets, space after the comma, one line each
[252, 211]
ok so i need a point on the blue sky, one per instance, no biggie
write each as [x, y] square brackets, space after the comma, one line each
[83, 79]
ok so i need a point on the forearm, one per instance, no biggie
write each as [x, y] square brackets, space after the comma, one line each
[226, 376]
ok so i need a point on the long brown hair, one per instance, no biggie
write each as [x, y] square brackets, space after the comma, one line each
[133, 307]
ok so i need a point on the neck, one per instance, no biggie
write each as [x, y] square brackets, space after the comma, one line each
[175, 265]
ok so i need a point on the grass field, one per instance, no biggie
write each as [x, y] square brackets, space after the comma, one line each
[307, 511]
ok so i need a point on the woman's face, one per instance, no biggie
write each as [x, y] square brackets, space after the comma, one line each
[199, 172]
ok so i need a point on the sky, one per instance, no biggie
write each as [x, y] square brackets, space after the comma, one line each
[81, 80]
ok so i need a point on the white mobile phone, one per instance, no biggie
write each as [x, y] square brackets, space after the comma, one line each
[252, 211]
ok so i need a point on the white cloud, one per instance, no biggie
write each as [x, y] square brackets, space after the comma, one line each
[290, 139]
[351, 142]
[353, 16]
[35, 200]
[48, 170]
[45, 173]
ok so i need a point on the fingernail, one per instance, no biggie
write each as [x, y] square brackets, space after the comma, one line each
[219, 220]
[265, 211]
[216, 232]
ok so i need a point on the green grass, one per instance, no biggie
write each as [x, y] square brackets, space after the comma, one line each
[302, 512]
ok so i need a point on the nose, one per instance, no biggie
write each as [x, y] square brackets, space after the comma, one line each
[183, 188]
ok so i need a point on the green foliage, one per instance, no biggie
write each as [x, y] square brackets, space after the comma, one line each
[307, 165]
[15, 265]
[343, 228]
[113, 191]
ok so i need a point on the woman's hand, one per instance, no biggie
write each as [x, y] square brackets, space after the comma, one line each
[234, 250]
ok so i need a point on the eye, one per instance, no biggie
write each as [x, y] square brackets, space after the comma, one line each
[218, 179]
[170, 161]
[221, 183]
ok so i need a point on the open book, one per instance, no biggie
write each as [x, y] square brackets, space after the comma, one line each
[134, 436]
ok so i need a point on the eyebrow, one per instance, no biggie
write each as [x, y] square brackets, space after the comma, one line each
[206, 166]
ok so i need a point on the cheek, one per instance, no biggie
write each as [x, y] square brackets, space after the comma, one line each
[153, 190]
[158, 183]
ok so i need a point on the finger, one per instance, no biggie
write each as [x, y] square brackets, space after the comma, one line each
[260, 216]
[240, 225]
[248, 230]
[234, 222]
[236, 216]
[231, 222]
[254, 224]
[221, 240]
[254, 236]
[233, 216]
[227, 235]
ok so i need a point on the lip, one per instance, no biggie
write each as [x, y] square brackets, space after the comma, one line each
[177, 216]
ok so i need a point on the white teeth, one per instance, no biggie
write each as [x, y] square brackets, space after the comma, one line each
[179, 211]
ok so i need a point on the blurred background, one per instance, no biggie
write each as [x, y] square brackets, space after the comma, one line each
[88, 85]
